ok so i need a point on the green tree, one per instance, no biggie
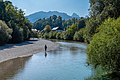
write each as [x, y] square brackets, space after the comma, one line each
[47, 28]
[68, 35]
[78, 36]
[104, 49]
[5, 33]
[99, 11]
[81, 23]
[91, 28]
[15, 20]
[105, 8]
[17, 36]
[58, 35]
[46, 35]
[52, 34]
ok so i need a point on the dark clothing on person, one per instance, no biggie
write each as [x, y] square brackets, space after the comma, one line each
[45, 48]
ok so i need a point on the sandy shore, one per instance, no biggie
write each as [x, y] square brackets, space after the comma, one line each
[28, 48]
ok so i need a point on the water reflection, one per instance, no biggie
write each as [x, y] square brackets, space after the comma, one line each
[9, 68]
[45, 54]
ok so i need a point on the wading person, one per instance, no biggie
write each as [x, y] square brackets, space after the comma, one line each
[45, 48]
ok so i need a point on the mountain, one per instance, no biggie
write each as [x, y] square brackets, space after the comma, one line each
[40, 15]
[74, 15]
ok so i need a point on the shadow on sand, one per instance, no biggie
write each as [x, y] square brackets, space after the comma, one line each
[7, 46]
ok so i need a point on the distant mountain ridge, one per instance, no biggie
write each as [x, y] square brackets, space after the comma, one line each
[35, 16]
[74, 15]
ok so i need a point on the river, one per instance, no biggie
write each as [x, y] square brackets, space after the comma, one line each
[68, 62]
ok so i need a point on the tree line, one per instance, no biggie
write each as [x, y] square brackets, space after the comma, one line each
[71, 28]
[14, 27]
[57, 21]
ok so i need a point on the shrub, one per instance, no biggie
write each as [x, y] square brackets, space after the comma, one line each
[46, 35]
[90, 29]
[104, 49]
[52, 35]
[26, 33]
[62, 35]
[58, 35]
[17, 35]
[36, 34]
[5, 33]
[68, 35]
[78, 36]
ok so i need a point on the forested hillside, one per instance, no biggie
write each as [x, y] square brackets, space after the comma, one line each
[41, 14]
[57, 21]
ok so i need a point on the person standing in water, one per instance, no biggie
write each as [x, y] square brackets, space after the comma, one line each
[45, 48]
[45, 51]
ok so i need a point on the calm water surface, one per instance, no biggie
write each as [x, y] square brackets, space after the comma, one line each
[66, 63]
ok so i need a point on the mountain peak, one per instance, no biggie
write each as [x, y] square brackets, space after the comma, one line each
[74, 15]
[41, 14]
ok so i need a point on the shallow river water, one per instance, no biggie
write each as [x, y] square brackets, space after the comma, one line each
[68, 62]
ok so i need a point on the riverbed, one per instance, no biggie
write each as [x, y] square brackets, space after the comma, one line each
[68, 62]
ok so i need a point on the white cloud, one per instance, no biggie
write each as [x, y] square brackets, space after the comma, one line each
[24, 10]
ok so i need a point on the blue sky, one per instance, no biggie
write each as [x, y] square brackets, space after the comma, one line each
[67, 6]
